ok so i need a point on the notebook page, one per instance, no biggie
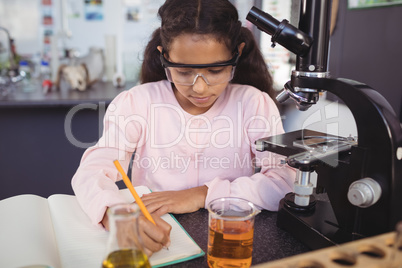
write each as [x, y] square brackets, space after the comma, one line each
[182, 246]
[82, 244]
[26, 233]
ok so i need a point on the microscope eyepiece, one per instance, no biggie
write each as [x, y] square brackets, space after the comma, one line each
[262, 20]
[282, 32]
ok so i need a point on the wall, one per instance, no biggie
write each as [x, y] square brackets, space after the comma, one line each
[366, 47]
[23, 19]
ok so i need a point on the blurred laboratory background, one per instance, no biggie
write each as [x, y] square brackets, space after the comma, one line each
[63, 61]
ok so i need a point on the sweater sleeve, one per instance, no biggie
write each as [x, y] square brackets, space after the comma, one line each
[94, 182]
[267, 187]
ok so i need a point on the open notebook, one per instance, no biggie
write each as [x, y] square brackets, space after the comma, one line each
[55, 232]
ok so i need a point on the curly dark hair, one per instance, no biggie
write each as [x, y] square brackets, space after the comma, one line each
[218, 18]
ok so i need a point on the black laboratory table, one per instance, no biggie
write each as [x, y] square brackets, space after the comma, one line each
[270, 242]
[43, 136]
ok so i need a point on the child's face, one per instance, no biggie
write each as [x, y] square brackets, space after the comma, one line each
[196, 49]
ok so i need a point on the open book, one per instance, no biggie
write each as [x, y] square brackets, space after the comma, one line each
[55, 232]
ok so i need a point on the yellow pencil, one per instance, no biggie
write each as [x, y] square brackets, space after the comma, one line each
[133, 192]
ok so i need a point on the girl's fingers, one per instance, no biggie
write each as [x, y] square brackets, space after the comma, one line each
[155, 237]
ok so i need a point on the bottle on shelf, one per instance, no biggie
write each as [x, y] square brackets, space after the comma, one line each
[25, 73]
[25, 70]
[45, 74]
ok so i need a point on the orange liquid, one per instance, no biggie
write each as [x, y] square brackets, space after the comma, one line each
[230, 243]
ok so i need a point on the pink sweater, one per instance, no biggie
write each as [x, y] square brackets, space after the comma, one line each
[176, 150]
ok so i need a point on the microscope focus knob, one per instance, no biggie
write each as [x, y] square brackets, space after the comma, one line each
[364, 193]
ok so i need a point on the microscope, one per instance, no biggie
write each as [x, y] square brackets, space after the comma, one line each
[361, 177]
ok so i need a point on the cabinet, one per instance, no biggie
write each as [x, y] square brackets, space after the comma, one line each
[42, 137]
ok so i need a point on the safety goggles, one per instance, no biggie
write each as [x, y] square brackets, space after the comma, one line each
[187, 74]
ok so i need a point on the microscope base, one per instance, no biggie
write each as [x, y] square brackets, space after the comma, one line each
[316, 228]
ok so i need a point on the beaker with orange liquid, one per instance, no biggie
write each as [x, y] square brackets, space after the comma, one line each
[231, 232]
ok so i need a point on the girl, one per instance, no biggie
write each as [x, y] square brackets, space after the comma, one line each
[203, 101]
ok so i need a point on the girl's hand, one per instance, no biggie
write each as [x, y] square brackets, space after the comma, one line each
[154, 237]
[184, 201]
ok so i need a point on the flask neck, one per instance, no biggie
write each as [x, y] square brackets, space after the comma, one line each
[123, 224]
